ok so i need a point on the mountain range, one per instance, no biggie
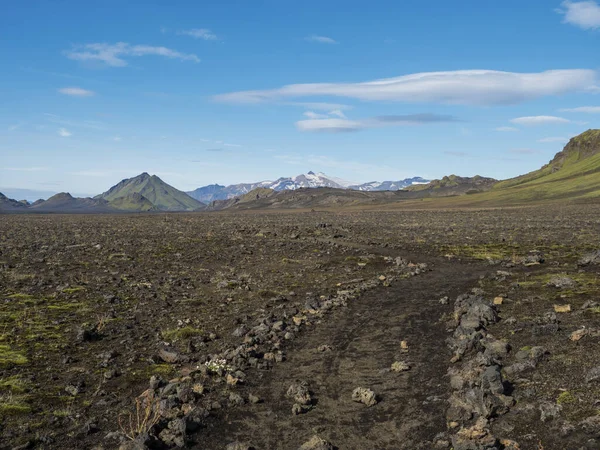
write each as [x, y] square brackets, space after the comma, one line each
[573, 175]
[214, 192]
[143, 193]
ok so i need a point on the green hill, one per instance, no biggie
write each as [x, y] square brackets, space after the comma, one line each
[453, 185]
[573, 174]
[161, 195]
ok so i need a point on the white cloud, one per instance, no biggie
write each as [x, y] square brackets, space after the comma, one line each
[13, 127]
[583, 109]
[337, 113]
[320, 106]
[539, 120]
[76, 92]
[117, 139]
[63, 132]
[585, 14]
[507, 129]
[232, 145]
[553, 139]
[334, 125]
[314, 115]
[113, 54]
[200, 33]
[466, 87]
[320, 39]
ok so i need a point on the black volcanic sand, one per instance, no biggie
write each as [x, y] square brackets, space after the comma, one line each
[93, 307]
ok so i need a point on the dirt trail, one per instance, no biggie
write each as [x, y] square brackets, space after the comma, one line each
[365, 340]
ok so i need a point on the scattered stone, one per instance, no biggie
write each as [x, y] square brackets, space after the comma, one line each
[364, 396]
[562, 282]
[562, 308]
[324, 348]
[168, 357]
[238, 446]
[297, 409]
[400, 366]
[254, 398]
[404, 345]
[236, 399]
[300, 393]
[88, 334]
[498, 300]
[593, 375]
[579, 334]
[231, 380]
[316, 443]
[590, 258]
[549, 411]
[444, 300]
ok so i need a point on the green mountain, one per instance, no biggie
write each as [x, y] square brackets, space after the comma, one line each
[160, 195]
[133, 202]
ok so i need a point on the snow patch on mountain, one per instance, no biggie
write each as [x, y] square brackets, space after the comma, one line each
[306, 180]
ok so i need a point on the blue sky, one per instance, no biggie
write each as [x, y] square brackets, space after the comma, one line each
[237, 91]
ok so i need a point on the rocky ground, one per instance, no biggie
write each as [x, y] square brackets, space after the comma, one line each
[314, 330]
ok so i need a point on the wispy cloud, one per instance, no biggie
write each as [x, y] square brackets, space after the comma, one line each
[200, 33]
[320, 106]
[523, 151]
[335, 125]
[338, 113]
[214, 149]
[14, 126]
[553, 139]
[584, 14]
[466, 87]
[26, 169]
[117, 139]
[232, 145]
[76, 92]
[93, 124]
[455, 153]
[63, 132]
[539, 120]
[320, 39]
[583, 109]
[314, 115]
[507, 129]
[113, 54]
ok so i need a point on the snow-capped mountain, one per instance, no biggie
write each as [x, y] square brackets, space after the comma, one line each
[389, 185]
[212, 192]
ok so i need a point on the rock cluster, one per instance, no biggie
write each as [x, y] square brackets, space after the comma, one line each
[478, 390]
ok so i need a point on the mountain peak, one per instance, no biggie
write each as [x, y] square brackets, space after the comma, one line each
[580, 147]
[310, 172]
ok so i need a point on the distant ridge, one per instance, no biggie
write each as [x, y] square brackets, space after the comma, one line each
[308, 180]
